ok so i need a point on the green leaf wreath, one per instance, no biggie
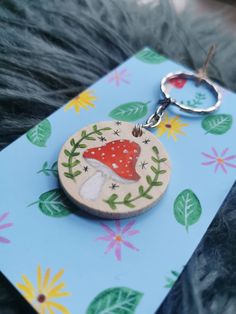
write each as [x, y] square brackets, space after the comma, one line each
[73, 153]
[143, 192]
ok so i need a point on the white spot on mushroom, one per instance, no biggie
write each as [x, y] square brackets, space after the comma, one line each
[92, 153]
[130, 158]
[113, 148]
[113, 155]
[135, 151]
[114, 166]
[99, 148]
[125, 151]
[103, 154]
[121, 160]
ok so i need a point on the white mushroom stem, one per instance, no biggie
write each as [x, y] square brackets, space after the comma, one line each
[91, 188]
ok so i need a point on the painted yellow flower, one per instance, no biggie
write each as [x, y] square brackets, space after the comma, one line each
[83, 100]
[42, 296]
[172, 126]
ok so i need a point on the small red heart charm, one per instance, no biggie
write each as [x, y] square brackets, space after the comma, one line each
[177, 82]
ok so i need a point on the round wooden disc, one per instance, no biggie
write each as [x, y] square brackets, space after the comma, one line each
[110, 173]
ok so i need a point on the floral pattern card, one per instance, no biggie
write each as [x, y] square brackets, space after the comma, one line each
[63, 261]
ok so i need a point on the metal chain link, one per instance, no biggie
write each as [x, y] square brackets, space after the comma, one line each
[155, 119]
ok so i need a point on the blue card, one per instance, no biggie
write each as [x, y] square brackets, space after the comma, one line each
[65, 262]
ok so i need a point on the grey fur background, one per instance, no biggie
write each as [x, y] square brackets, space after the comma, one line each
[51, 50]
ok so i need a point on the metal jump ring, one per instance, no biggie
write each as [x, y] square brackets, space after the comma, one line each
[189, 76]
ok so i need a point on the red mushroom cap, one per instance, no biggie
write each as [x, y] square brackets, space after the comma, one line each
[177, 82]
[119, 155]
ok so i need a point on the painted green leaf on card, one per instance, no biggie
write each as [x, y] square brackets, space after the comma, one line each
[170, 281]
[39, 134]
[150, 56]
[53, 203]
[130, 111]
[196, 101]
[48, 170]
[115, 300]
[217, 124]
[187, 208]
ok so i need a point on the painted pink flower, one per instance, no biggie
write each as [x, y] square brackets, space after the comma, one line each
[119, 77]
[220, 161]
[4, 226]
[118, 237]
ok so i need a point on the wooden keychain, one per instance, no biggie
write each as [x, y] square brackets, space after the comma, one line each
[115, 169]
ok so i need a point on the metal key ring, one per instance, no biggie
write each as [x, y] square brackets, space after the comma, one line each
[189, 76]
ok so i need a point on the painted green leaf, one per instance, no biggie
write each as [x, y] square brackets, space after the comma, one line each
[141, 189]
[149, 197]
[72, 142]
[53, 203]
[115, 301]
[39, 134]
[111, 201]
[149, 179]
[69, 175]
[90, 138]
[130, 111]
[217, 123]
[47, 170]
[54, 169]
[150, 56]
[129, 204]
[82, 146]
[155, 149]
[127, 197]
[170, 281]
[187, 208]
[197, 101]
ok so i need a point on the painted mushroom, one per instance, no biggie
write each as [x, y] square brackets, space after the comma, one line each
[177, 82]
[115, 160]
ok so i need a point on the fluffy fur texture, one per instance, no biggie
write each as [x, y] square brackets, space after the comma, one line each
[51, 50]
